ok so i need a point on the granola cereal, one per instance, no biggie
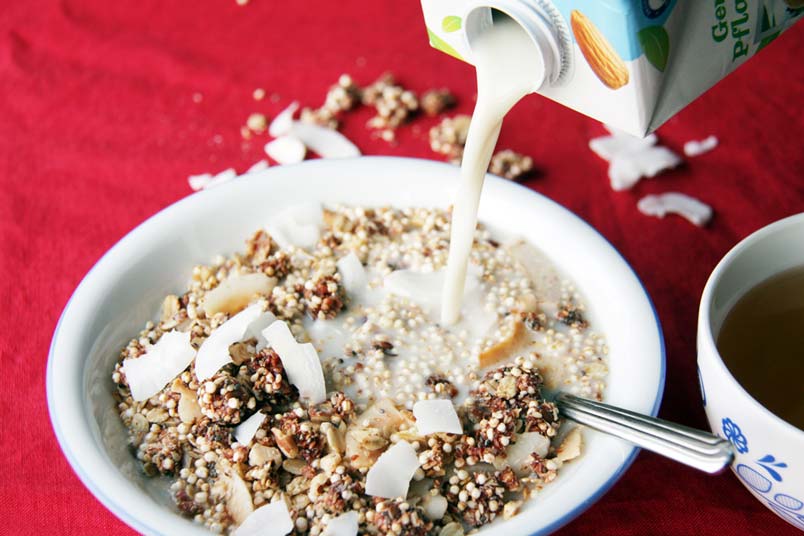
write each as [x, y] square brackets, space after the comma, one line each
[251, 434]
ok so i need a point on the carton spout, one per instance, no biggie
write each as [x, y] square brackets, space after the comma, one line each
[538, 19]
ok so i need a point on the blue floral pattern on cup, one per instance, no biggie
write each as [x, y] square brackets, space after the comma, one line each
[733, 433]
[786, 506]
[768, 463]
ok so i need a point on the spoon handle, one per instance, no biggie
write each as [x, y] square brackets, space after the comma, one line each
[689, 446]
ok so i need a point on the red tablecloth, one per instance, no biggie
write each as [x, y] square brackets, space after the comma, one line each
[99, 129]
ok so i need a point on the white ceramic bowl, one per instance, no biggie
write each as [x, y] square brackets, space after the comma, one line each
[769, 452]
[126, 287]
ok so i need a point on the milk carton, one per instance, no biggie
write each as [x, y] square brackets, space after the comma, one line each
[632, 64]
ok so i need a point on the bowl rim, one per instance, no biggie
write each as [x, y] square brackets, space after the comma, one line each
[706, 336]
[143, 527]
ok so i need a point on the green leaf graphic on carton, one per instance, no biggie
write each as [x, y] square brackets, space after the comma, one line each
[656, 44]
[451, 24]
[442, 45]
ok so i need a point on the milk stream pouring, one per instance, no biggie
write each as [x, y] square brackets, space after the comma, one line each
[509, 66]
[631, 64]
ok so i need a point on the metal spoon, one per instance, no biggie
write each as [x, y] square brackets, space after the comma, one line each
[689, 446]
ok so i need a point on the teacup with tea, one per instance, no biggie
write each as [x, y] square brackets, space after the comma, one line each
[751, 362]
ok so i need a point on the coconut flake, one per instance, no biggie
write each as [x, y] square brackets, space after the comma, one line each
[436, 416]
[353, 274]
[214, 351]
[257, 166]
[570, 448]
[539, 268]
[627, 169]
[343, 525]
[691, 209]
[188, 408]
[697, 148]
[300, 361]
[517, 453]
[325, 142]
[239, 503]
[236, 291]
[224, 176]
[286, 150]
[255, 329]
[148, 374]
[632, 158]
[607, 147]
[283, 122]
[390, 475]
[244, 432]
[298, 225]
[198, 182]
[269, 520]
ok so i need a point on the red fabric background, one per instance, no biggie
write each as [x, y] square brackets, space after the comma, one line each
[98, 130]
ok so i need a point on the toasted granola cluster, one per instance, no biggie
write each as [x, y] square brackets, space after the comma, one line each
[397, 516]
[449, 137]
[510, 164]
[323, 297]
[268, 379]
[479, 497]
[394, 105]
[442, 386]
[223, 398]
[316, 457]
[341, 97]
[437, 101]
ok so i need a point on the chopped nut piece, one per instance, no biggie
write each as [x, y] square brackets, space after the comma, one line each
[294, 466]
[514, 335]
[451, 529]
[511, 509]
[170, 307]
[262, 455]
[570, 448]
[285, 443]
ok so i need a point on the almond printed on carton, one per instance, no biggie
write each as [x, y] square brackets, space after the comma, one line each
[600, 55]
